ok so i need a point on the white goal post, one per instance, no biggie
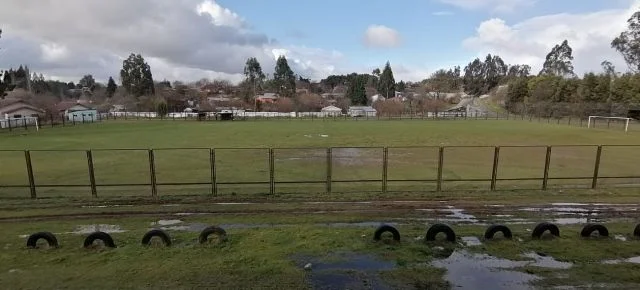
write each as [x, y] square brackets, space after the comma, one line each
[20, 122]
[626, 123]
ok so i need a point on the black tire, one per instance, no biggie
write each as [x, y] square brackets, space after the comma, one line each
[104, 237]
[543, 227]
[386, 228]
[47, 236]
[146, 239]
[588, 229]
[204, 235]
[636, 231]
[440, 228]
[493, 229]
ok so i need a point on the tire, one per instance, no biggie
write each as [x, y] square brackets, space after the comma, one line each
[493, 229]
[204, 235]
[146, 239]
[543, 227]
[386, 228]
[47, 236]
[440, 228]
[104, 237]
[590, 228]
[636, 231]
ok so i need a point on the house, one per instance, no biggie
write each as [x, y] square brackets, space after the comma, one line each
[376, 98]
[267, 98]
[362, 111]
[17, 109]
[78, 112]
[331, 111]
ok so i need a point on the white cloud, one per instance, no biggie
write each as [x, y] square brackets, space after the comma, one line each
[187, 39]
[381, 36]
[494, 5]
[529, 41]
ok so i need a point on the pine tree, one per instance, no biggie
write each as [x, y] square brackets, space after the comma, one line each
[387, 84]
[284, 79]
[136, 76]
[111, 87]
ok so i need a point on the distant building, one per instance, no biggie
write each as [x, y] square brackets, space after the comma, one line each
[362, 111]
[331, 111]
[267, 98]
[78, 112]
[17, 109]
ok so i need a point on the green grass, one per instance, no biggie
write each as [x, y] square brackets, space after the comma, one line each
[310, 163]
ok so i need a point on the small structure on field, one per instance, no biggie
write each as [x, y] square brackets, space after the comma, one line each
[362, 111]
[331, 111]
[77, 112]
[18, 112]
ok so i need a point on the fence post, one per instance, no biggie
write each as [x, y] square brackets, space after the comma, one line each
[24, 123]
[440, 165]
[329, 169]
[596, 168]
[385, 167]
[32, 183]
[92, 176]
[545, 179]
[271, 173]
[212, 164]
[152, 173]
[494, 173]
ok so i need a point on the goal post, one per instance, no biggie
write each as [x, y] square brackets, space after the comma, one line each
[19, 122]
[592, 120]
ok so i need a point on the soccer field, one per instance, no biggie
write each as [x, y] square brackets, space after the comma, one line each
[358, 161]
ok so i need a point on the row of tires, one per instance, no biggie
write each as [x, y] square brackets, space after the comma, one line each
[432, 232]
[538, 231]
[108, 241]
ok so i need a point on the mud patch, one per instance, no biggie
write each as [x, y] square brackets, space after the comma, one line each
[545, 261]
[345, 271]
[471, 241]
[633, 260]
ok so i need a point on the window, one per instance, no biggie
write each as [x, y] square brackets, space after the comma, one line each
[17, 116]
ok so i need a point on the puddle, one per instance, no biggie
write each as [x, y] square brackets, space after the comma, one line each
[459, 215]
[166, 222]
[481, 271]
[620, 238]
[471, 241]
[233, 203]
[633, 260]
[187, 227]
[345, 271]
[466, 270]
[546, 261]
[574, 221]
[87, 229]
[569, 204]
[107, 206]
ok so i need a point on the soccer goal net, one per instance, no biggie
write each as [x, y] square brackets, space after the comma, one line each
[608, 122]
[11, 123]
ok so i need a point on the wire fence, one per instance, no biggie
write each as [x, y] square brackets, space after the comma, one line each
[273, 171]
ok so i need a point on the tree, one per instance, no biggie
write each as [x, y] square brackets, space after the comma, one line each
[162, 109]
[387, 84]
[559, 61]
[356, 91]
[444, 81]
[517, 92]
[253, 75]
[518, 71]
[111, 87]
[4, 84]
[474, 78]
[284, 79]
[87, 81]
[71, 86]
[401, 86]
[136, 76]
[628, 43]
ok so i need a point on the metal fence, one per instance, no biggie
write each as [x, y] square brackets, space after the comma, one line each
[319, 170]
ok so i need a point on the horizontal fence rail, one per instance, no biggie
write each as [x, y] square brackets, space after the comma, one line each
[320, 170]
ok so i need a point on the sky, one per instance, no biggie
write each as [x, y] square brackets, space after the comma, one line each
[189, 40]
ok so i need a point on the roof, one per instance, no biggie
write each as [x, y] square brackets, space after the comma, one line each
[17, 104]
[331, 108]
[66, 105]
[363, 108]
[267, 96]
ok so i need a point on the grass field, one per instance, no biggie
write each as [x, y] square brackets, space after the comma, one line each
[242, 155]
[271, 237]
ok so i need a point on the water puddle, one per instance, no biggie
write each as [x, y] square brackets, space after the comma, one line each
[575, 221]
[107, 206]
[620, 238]
[87, 229]
[345, 271]
[545, 261]
[177, 225]
[467, 270]
[166, 222]
[471, 241]
[633, 260]
[480, 271]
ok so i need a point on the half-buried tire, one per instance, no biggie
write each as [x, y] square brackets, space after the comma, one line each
[493, 229]
[541, 228]
[220, 232]
[588, 229]
[440, 228]
[377, 235]
[636, 231]
[47, 236]
[104, 237]
[146, 239]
